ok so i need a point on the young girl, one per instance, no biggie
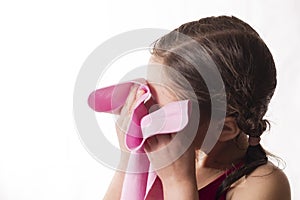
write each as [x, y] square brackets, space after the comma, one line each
[237, 167]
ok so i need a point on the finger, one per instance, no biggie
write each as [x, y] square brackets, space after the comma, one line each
[163, 140]
[147, 148]
[128, 109]
[156, 142]
[123, 119]
[151, 143]
[138, 94]
[173, 135]
[130, 99]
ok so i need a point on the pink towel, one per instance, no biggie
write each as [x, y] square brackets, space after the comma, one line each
[140, 180]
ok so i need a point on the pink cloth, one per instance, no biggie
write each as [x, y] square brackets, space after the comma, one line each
[140, 180]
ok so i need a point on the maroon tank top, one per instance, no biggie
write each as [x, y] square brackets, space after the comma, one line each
[206, 193]
[209, 191]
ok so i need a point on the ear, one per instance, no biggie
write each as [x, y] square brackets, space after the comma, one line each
[230, 129]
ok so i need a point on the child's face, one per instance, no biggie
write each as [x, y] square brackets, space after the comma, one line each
[161, 93]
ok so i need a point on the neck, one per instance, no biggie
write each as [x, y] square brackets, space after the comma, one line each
[222, 157]
[226, 154]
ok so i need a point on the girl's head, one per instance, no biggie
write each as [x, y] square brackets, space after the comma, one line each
[245, 65]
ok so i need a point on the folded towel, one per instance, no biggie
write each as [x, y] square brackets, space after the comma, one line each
[140, 179]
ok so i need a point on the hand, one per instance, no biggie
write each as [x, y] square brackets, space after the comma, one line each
[114, 191]
[124, 118]
[181, 170]
[178, 178]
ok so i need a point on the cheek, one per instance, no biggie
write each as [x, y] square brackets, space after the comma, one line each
[202, 126]
[199, 138]
[161, 95]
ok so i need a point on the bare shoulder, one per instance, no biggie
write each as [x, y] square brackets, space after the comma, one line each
[267, 182]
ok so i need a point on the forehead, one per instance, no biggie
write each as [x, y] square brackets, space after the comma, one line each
[156, 79]
[155, 72]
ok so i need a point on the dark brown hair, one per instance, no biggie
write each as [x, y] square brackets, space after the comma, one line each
[247, 69]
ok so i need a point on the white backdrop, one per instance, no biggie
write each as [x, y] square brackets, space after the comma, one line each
[42, 47]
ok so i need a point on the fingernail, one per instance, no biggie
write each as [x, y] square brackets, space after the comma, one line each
[140, 92]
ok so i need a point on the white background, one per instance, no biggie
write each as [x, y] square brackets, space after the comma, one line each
[42, 47]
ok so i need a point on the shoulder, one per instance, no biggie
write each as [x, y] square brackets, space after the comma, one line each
[267, 182]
